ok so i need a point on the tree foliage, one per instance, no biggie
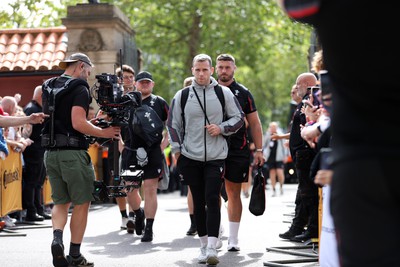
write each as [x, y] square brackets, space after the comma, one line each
[270, 49]
[33, 13]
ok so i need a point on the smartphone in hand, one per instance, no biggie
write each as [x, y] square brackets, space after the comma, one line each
[326, 158]
[307, 103]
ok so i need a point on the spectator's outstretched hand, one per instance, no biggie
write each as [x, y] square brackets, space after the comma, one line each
[36, 118]
[275, 136]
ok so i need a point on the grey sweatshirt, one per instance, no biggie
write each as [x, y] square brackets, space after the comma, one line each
[197, 143]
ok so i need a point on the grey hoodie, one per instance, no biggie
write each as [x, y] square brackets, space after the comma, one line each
[197, 143]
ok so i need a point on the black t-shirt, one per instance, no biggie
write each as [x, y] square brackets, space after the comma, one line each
[296, 142]
[292, 109]
[73, 96]
[36, 147]
[240, 140]
[273, 145]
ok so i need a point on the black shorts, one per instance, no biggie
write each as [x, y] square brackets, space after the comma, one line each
[154, 166]
[193, 172]
[275, 165]
[237, 168]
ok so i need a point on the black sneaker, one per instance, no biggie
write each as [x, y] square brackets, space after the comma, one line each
[45, 215]
[34, 218]
[57, 250]
[148, 235]
[139, 222]
[291, 233]
[304, 237]
[192, 230]
[80, 261]
[130, 225]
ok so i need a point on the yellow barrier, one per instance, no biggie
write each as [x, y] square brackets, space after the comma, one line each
[47, 200]
[11, 180]
[11, 183]
[94, 152]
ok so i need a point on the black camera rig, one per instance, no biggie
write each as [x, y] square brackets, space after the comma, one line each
[127, 181]
[109, 95]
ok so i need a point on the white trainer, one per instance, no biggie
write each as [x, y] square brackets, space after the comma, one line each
[203, 255]
[219, 241]
[124, 221]
[10, 222]
[233, 246]
[212, 256]
[218, 245]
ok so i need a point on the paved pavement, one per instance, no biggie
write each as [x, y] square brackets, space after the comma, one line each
[108, 246]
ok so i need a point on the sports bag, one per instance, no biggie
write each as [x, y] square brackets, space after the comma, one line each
[147, 125]
[257, 198]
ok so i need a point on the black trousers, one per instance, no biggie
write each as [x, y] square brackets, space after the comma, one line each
[306, 212]
[205, 181]
[33, 175]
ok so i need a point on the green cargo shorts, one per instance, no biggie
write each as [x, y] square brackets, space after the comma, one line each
[71, 175]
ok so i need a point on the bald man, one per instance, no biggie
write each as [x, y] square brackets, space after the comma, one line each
[306, 211]
[33, 172]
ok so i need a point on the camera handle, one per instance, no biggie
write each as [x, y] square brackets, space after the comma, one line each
[115, 174]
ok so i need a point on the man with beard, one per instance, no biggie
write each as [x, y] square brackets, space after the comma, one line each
[237, 162]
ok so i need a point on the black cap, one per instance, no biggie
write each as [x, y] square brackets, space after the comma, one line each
[144, 75]
[74, 58]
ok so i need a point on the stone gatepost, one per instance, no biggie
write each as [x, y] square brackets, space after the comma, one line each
[101, 31]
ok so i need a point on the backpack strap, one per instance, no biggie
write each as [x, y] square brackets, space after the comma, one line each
[52, 92]
[218, 92]
[48, 86]
[221, 98]
[184, 97]
[157, 101]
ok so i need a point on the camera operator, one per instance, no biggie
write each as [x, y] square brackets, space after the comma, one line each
[152, 171]
[67, 161]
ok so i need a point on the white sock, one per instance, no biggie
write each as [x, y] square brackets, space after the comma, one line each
[203, 240]
[212, 242]
[233, 232]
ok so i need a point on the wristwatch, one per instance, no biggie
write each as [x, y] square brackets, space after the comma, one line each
[259, 150]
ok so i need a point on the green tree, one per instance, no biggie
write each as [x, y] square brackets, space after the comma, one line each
[33, 13]
[270, 49]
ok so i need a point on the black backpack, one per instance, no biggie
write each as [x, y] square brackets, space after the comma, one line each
[147, 125]
[51, 96]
